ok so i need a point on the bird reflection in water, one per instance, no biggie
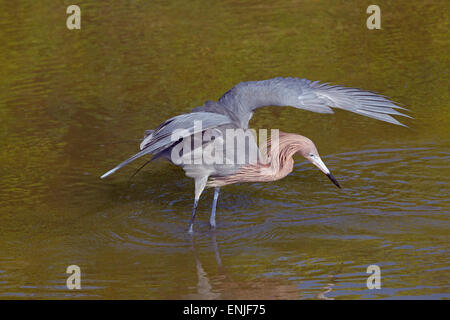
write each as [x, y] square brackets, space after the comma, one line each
[223, 286]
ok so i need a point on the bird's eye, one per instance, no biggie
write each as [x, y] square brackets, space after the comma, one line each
[311, 155]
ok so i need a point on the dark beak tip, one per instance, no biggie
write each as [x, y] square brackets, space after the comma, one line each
[333, 179]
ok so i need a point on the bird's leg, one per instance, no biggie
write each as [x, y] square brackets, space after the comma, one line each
[212, 218]
[191, 223]
[200, 184]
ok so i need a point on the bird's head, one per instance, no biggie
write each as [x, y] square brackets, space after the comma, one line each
[308, 150]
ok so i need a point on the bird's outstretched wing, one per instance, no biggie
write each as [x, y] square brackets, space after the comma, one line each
[240, 102]
[161, 138]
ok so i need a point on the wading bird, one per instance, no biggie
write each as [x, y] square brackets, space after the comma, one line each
[234, 111]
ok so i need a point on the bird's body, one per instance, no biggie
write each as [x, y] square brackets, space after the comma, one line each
[182, 140]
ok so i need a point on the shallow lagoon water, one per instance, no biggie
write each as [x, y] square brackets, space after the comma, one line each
[73, 103]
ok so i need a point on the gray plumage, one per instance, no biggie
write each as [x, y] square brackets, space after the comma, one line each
[235, 109]
[159, 140]
[240, 102]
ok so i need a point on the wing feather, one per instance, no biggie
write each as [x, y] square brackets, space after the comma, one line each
[160, 139]
[241, 101]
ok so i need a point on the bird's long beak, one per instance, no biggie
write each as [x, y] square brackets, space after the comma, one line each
[319, 164]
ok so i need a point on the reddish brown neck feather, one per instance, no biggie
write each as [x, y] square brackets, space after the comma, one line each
[279, 165]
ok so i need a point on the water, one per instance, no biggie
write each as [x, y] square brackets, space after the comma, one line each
[69, 100]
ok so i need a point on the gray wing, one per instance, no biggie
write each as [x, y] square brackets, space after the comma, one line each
[240, 102]
[156, 141]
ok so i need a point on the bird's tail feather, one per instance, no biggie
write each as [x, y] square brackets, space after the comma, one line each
[137, 155]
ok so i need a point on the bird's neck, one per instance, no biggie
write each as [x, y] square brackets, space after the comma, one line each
[281, 161]
[279, 164]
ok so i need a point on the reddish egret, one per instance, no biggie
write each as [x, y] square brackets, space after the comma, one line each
[234, 111]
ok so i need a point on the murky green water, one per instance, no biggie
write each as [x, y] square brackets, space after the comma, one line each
[68, 100]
